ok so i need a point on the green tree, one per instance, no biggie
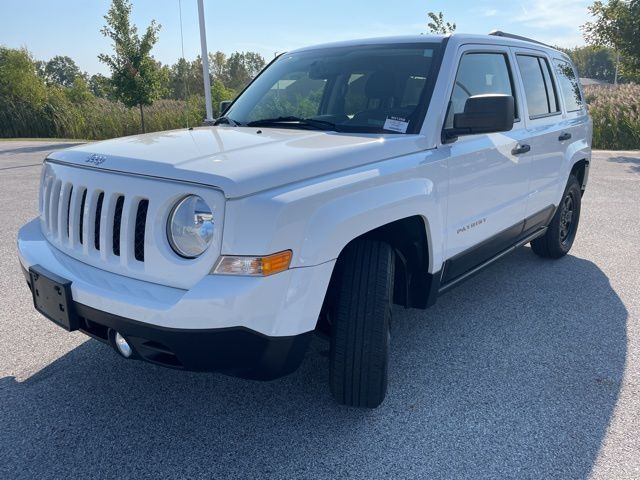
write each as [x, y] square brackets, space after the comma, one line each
[617, 25]
[79, 92]
[219, 93]
[101, 86]
[217, 65]
[61, 70]
[240, 68]
[40, 66]
[593, 62]
[438, 25]
[164, 78]
[254, 63]
[135, 75]
[185, 79]
[18, 77]
[23, 93]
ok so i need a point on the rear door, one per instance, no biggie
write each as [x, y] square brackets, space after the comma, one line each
[576, 126]
[488, 175]
[543, 119]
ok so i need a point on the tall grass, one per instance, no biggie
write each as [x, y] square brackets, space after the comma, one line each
[94, 119]
[615, 111]
[616, 116]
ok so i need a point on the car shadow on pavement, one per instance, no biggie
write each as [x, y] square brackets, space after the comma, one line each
[45, 147]
[632, 162]
[514, 374]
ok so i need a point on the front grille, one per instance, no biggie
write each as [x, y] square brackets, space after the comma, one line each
[98, 221]
[117, 223]
[141, 222]
[81, 226]
[69, 208]
[74, 216]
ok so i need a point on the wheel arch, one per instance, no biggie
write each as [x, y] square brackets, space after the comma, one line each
[578, 158]
[580, 170]
[410, 240]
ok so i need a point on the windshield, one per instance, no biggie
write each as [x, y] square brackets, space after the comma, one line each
[365, 89]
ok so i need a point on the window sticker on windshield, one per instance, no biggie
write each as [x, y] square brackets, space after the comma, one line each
[396, 124]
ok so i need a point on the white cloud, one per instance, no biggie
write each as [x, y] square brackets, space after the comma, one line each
[568, 14]
[572, 39]
[490, 13]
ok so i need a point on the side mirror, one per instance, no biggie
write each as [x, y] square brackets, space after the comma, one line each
[484, 114]
[224, 105]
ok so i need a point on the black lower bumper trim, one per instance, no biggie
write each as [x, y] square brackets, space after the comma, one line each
[235, 351]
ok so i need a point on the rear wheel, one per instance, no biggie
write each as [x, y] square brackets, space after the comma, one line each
[360, 319]
[561, 233]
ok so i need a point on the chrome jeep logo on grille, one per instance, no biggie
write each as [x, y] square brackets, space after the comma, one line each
[96, 159]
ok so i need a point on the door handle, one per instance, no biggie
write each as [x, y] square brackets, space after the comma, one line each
[520, 149]
[564, 136]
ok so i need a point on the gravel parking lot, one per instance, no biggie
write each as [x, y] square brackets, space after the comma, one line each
[530, 370]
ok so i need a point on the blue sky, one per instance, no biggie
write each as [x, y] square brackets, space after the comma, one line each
[71, 27]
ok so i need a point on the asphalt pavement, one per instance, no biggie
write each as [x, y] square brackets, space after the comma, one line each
[529, 370]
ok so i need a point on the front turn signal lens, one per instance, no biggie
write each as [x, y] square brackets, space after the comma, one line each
[254, 266]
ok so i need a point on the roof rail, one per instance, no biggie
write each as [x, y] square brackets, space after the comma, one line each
[499, 33]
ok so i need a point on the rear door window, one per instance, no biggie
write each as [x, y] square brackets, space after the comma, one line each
[569, 86]
[539, 89]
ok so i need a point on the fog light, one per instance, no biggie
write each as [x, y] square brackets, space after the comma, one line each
[123, 346]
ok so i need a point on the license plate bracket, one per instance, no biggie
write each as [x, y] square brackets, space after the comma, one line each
[52, 297]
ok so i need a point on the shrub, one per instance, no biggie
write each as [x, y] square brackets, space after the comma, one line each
[616, 115]
[68, 116]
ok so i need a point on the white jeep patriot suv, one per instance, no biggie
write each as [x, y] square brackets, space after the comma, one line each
[343, 179]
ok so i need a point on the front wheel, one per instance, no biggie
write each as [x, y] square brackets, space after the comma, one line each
[360, 318]
[561, 233]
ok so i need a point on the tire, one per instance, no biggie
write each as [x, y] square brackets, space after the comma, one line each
[360, 318]
[562, 229]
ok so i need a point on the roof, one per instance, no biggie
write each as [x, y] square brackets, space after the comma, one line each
[457, 38]
[378, 41]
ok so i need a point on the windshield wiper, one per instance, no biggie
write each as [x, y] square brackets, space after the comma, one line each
[227, 121]
[294, 121]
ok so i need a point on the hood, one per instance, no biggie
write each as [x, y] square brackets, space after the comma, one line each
[239, 160]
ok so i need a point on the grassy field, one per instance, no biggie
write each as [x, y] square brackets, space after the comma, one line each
[616, 116]
[615, 112]
[95, 119]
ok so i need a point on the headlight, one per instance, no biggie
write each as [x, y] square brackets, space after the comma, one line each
[190, 227]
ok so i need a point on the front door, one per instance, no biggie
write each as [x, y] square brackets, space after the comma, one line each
[488, 173]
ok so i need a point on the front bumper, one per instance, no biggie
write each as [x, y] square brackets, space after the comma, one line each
[247, 326]
[234, 351]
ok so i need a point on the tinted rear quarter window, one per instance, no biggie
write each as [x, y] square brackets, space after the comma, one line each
[569, 86]
[539, 89]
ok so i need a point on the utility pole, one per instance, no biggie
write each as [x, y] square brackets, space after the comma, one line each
[205, 64]
[615, 80]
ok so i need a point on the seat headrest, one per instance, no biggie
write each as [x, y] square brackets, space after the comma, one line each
[380, 84]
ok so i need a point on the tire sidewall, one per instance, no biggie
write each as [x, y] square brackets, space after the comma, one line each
[573, 189]
[361, 333]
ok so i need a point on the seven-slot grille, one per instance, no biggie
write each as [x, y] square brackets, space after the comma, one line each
[77, 217]
[117, 222]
